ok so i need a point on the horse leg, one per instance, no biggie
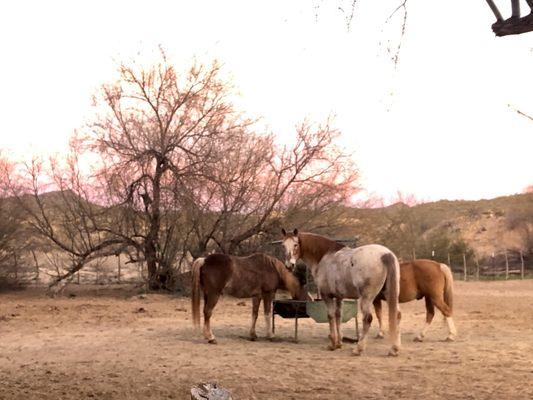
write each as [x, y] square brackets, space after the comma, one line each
[256, 301]
[210, 301]
[267, 307]
[430, 313]
[331, 306]
[377, 309]
[445, 310]
[366, 309]
[338, 309]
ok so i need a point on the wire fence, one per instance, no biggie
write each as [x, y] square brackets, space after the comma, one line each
[503, 265]
[44, 269]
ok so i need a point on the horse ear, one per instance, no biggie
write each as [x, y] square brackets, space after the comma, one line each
[295, 232]
[283, 231]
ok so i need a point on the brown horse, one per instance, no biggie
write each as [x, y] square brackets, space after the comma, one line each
[257, 276]
[428, 279]
[341, 272]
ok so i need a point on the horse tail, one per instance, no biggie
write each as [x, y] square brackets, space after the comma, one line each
[448, 287]
[393, 293]
[290, 281]
[196, 288]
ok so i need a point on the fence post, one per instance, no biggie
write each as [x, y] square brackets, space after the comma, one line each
[16, 268]
[506, 265]
[464, 266]
[118, 277]
[522, 264]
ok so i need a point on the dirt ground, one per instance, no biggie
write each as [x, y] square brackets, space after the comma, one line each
[111, 343]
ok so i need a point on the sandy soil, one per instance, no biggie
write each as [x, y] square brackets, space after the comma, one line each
[112, 344]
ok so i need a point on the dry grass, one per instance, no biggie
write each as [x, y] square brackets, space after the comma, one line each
[112, 344]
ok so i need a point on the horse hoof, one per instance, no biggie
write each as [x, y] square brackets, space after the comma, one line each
[357, 352]
[380, 335]
[212, 341]
[394, 351]
[450, 339]
[418, 339]
[338, 346]
[331, 347]
[253, 339]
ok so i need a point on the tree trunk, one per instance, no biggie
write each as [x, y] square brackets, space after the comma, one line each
[154, 218]
[151, 264]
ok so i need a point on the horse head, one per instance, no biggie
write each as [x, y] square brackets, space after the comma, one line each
[291, 244]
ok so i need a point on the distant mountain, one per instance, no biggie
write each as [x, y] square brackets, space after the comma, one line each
[486, 225]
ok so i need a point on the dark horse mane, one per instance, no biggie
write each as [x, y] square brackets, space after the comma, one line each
[287, 278]
[314, 247]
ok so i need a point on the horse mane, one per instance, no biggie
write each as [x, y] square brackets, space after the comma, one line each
[313, 247]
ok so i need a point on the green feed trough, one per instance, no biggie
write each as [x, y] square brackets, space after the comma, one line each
[317, 310]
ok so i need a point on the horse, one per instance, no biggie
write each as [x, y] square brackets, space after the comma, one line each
[258, 276]
[426, 279]
[342, 272]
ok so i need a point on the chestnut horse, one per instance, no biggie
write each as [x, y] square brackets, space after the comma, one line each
[428, 279]
[342, 272]
[257, 276]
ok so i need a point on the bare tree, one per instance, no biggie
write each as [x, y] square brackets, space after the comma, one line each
[62, 218]
[159, 129]
[256, 184]
[174, 168]
[12, 230]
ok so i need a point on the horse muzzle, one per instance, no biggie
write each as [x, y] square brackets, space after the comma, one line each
[290, 264]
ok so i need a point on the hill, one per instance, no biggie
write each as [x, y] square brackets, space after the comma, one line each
[445, 230]
[487, 226]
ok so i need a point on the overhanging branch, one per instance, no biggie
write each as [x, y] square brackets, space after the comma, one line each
[513, 26]
[495, 10]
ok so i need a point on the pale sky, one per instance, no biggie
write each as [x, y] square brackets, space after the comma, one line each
[438, 126]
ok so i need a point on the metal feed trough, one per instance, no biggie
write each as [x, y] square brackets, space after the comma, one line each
[315, 309]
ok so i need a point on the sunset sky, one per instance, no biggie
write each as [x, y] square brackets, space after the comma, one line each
[439, 125]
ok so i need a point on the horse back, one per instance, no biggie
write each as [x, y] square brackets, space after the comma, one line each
[419, 278]
[257, 273]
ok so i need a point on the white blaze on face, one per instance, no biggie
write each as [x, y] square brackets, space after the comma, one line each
[291, 249]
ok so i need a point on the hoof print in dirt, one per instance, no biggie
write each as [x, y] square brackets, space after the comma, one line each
[209, 391]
